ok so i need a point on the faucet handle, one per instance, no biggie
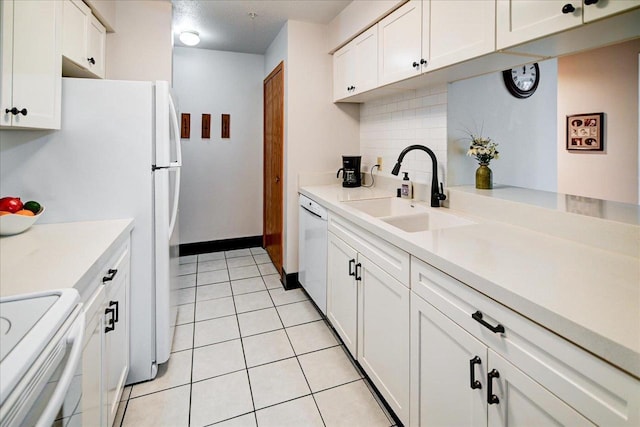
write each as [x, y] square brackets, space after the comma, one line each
[441, 195]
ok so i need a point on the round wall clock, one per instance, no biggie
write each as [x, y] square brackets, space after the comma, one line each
[522, 81]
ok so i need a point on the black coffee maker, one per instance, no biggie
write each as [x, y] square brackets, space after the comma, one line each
[351, 176]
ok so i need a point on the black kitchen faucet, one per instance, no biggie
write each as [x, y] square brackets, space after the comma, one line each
[437, 193]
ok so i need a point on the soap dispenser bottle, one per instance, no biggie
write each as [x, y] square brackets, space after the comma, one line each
[406, 187]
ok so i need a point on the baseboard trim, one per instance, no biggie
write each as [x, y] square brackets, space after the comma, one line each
[289, 281]
[220, 245]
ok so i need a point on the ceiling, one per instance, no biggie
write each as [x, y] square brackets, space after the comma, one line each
[227, 24]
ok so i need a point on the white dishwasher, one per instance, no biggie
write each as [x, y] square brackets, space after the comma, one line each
[312, 251]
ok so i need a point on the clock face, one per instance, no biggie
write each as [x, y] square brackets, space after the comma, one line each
[522, 81]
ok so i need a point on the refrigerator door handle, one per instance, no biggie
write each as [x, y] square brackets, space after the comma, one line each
[174, 208]
[176, 131]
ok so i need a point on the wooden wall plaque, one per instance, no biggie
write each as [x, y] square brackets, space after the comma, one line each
[185, 125]
[206, 126]
[226, 125]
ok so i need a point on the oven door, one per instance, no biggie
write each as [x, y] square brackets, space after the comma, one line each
[50, 393]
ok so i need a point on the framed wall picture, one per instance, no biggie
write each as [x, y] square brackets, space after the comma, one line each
[585, 132]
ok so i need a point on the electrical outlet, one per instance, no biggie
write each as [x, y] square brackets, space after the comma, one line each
[379, 163]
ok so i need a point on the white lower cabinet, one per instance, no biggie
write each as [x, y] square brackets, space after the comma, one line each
[368, 306]
[342, 291]
[457, 380]
[525, 374]
[105, 357]
[447, 371]
[383, 334]
[117, 335]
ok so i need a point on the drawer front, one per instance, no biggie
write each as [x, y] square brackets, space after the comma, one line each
[602, 393]
[390, 258]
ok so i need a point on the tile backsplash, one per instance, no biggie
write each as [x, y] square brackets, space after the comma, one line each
[390, 124]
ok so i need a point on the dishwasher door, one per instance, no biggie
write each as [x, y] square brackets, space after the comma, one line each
[312, 251]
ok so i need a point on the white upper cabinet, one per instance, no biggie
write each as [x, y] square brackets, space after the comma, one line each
[74, 43]
[456, 31]
[30, 73]
[96, 44]
[400, 43]
[83, 41]
[596, 9]
[355, 66]
[519, 21]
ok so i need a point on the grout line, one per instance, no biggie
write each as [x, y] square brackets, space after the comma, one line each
[301, 369]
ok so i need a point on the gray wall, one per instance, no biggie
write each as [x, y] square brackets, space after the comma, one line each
[524, 128]
[221, 189]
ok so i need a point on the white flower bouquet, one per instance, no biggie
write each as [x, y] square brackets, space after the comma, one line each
[483, 149]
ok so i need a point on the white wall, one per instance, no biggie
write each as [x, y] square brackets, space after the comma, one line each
[141, 47]
[390, 124]
[525, 130]
[317, 131]
[602, 80]
[221, 178]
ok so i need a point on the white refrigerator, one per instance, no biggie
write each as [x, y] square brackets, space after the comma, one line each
[117, 155]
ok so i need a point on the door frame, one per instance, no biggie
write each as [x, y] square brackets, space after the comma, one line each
[278, 69]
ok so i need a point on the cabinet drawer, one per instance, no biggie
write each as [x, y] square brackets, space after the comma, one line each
[602, 393]
[390, 258]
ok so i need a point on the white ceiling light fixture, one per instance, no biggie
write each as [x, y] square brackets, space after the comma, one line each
[190, 38]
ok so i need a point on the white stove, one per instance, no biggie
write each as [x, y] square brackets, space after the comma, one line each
[40, 342]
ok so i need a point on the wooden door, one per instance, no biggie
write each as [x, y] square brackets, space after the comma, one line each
[273, 155]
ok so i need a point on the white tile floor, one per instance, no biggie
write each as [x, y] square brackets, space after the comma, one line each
[248, 353]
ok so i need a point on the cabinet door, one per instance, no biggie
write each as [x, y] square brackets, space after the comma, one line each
[344, 72]
[400, 43]
[383, 334]
[446, 362]
[519, 21]
[366, 45]
[458, 30]
[342, 291]
[96, 41]
[31, 61]
[117, 335]
[523, 402]
[74, 29]
[92, 367]
[605, 8]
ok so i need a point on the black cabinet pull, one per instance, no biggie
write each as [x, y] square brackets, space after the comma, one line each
[358, 268]
[111, 323]
[91, 61]
[568, 8]
[590, 2]
[110, 275]
[477, 316]
[423, 61]
[473, 382]
[15, 111]
[492, 398]
[415, 64]
[352, 263]
[117, 313]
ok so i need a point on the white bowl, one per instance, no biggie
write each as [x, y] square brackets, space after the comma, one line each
[16, 224]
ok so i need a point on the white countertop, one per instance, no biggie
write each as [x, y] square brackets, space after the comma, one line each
[585, 294]
[55, 256]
